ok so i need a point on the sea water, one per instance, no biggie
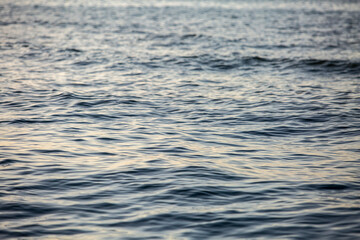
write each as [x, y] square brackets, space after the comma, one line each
[178, 119]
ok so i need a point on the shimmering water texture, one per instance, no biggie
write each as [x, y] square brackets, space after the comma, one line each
[179, 119]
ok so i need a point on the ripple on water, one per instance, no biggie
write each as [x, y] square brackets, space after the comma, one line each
[179, 120]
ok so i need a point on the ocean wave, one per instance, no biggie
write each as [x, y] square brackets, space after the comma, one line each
[237, 62]
[173, 120]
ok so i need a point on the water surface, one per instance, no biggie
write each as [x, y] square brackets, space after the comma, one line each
[179, 119]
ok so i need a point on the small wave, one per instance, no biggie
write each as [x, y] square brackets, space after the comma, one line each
[88, 104]
[202, 172]
[173, 37]
[6, 162]
[238, 61]
[18, 210]
[95, 116]
[36, 230]
[108, 139]
[7, 23]
[209, 193]
[167, 149]
[322, 65]
[31, 121]
[281, 131]
[84, 63]
[227, 62]
[74, 50]
[49, 151]
[71, 95]
[328, 187]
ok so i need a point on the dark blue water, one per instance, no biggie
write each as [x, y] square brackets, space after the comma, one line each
[179, 119]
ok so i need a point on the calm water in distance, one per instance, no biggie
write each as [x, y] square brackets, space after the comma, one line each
[179, 119]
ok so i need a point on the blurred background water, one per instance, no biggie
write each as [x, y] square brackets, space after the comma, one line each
[179, 119]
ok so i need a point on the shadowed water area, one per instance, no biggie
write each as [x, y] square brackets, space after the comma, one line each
[179, 119]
